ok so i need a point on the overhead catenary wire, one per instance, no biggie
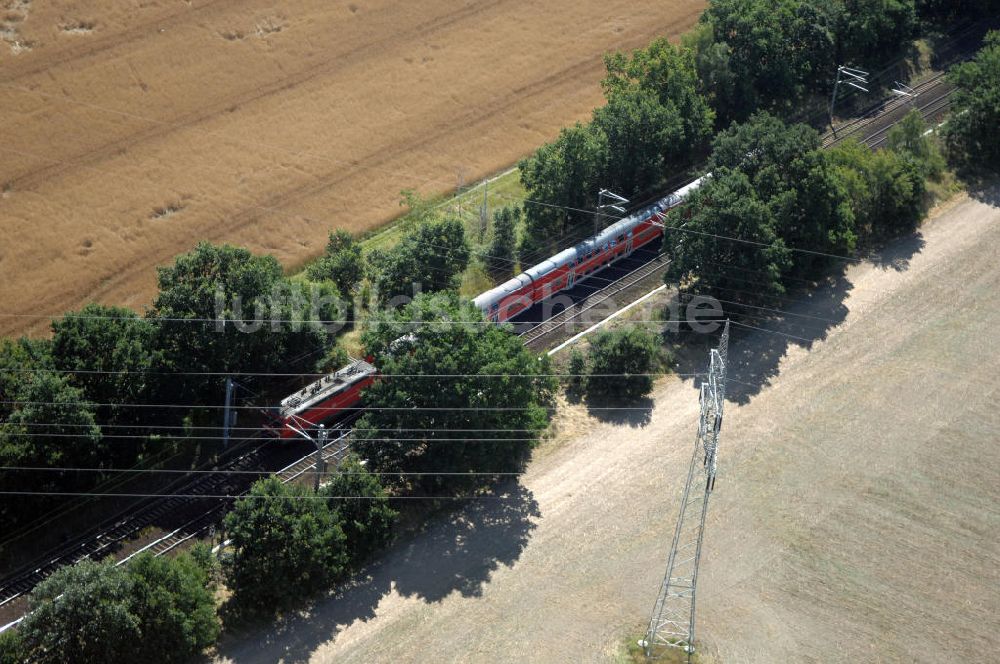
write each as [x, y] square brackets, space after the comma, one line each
[393, 408]
[224, 471]
[248, 496]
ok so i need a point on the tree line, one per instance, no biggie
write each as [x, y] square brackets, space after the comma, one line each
[665, 101]
[803, 208]
[112, 369]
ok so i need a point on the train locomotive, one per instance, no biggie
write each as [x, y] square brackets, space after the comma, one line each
[325, 399]
[336, 394]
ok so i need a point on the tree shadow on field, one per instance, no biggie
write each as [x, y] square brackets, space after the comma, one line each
[760, 337]
[985, 189]
[897, 254]
[635, 414]
[456, 552]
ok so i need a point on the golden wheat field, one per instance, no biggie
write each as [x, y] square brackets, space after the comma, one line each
[131, 129]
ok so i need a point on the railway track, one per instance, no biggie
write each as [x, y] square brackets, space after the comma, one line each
[881, 118]
[540, 334]
[333, 453]
[108, 536]
[931, 110]
[102, 544]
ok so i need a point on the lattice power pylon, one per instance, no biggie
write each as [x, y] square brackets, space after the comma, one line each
[672, 622]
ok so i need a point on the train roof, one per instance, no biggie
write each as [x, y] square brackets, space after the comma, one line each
[499, 292]
[567, 256]
[327, 386]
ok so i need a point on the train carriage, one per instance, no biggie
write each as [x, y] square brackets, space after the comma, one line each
[572, 266]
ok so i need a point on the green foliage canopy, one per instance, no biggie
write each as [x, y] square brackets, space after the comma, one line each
[704, 261]
[108, 352]
[501, 254]
[342, 263]
[20, 361]
[173, 602]
[157, 610]
[80, 615]
[431, 257]
[565, 175]
[444, 371]
[287, 544]
[971, 132]
[791, 175]
[621, 362]
[214, 313]
[362, 508]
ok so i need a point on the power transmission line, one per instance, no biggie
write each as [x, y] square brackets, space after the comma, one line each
[85, 494]
[175, 471]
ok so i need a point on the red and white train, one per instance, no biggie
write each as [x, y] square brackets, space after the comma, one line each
[328, 398]
[335, 394]
[575, 265]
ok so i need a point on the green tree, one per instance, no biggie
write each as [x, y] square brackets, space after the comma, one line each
[430, 257]
[621, 362]
[151, 610]
[971, 130]
[870, 31]
[669, 73]
[638, 132]
[816, 215]
[795, 180]
[286, 544]
[770, 152]
[362, 506]
[342, 263]
[565, 175]
[886, 190]
[911, 140]
[108, 352]
[53, 426]
[704, 260]
[715, 80]
[80, 615]
[12, 649]
[214, 313]
[444, 372]
[172, 600]
[778, 52]
[20, 361]
[501, 253]
[577, 370]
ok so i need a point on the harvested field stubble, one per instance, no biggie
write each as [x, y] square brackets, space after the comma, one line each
[142, 131]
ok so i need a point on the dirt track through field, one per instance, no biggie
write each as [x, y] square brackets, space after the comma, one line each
[127, 134]
[855, 518]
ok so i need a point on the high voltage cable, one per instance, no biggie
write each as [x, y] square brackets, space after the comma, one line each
[783, 334]
[188, 496]
[181, 426]
[255, 472]
[400, 408]
[367, 440]
[327, 373]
